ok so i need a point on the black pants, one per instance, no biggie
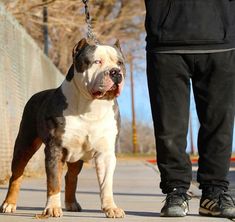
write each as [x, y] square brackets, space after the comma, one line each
[213, 80]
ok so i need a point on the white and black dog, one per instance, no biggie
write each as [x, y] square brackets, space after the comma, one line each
[77, 122]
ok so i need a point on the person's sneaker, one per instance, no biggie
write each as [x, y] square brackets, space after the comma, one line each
[176, 204]
[217, 204]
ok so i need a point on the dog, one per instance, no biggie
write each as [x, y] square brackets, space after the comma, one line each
[77, 121]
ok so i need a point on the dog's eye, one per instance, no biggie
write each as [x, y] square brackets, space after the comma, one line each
[120, 63]
[97, 61]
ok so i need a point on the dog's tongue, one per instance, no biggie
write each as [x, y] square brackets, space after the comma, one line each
[100, 94]
[114, 87]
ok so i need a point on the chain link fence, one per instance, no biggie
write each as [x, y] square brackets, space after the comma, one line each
[24, 70]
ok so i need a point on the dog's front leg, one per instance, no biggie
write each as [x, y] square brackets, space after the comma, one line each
[105, 166]
[54, 168]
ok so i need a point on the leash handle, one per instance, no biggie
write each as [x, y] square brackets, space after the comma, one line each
[90, 33]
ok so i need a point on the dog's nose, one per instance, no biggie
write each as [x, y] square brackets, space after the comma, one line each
[115, 75]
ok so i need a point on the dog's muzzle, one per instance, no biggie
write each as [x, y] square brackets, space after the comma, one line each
[115, 75]
[110, 85]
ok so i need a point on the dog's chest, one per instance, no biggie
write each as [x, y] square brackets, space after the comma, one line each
[83, 138]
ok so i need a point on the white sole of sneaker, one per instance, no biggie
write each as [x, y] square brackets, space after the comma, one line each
[174, 214]
[205, 212]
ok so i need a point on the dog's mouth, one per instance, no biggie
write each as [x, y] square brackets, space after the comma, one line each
[110, 93]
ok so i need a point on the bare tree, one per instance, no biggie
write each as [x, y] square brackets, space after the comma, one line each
[146, 141]
[111, 19]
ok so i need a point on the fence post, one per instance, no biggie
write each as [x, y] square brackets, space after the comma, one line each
[45, 27]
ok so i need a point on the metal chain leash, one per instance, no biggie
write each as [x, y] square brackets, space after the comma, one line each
[90, 33]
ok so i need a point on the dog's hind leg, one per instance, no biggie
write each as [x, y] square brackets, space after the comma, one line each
[74, 169]
[23, 151]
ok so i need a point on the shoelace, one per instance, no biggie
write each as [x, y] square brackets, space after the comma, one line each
[225, 200]
[173, 197]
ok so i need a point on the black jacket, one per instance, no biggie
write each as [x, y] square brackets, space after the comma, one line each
[190, 24]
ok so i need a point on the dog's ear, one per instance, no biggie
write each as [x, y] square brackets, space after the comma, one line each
[80, 45]
[117, 44]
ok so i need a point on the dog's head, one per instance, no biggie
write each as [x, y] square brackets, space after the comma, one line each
[98, 70]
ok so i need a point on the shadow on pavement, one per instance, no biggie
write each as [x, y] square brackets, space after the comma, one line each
[142, 214]
[93, 192]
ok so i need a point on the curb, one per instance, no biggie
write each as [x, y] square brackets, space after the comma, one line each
[193, 160]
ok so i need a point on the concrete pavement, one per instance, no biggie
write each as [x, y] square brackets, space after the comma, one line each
[136, 190]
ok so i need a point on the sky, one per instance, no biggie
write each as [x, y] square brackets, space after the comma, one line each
[142, 105]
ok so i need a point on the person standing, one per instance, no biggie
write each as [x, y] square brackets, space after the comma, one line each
[192, 39]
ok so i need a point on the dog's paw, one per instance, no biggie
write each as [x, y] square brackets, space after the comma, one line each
[53, 212]
[114, 213]
[75, 206]
[8, 208]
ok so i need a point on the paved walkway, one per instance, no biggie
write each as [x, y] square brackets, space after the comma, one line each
[136, 191]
